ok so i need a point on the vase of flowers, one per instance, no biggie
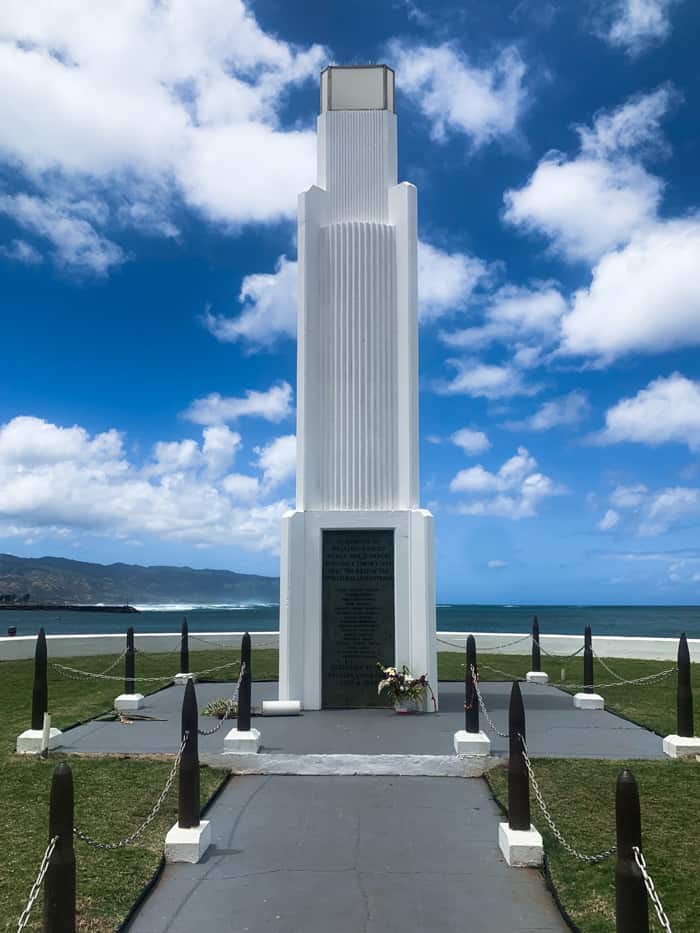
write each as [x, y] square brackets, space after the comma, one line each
[408, 693]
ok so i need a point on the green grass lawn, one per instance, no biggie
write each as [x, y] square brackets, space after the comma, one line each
[652, 705]
[581, 798]
[112, 795]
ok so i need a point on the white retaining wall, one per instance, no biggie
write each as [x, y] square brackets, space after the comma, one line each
[607, 646]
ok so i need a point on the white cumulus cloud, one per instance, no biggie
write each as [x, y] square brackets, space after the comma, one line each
[457, 96]
[514, 491]
[180, 98]
[64, 481]
[566, 411]
[486, 380]
[643, 298]
[668, 409]
[609, 520]
[273, 405]
[633, 25]
[595, 201]
[472, 442]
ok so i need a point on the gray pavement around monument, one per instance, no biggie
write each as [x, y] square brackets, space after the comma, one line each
[355, 844]
[351, 855]
[554, 728]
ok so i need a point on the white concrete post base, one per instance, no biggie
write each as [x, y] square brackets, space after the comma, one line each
[588, 701]
[187, 845]
[242, 743]
[520, 848]
[681, 746]
[128, 702]
[29, 742]
[180, 680]
[472, 743]
[537, 677]
[281, 707]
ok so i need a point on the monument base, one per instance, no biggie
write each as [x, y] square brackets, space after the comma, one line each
[29, 742]
[242, 743]
[180, 680]
[187, 845]
[472, 743]
[521, 848]
[301, 595]
[681, 746]
[128, 702]
[537, 677]
[588, 701]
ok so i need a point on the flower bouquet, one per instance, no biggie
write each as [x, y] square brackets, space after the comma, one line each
[408, 693]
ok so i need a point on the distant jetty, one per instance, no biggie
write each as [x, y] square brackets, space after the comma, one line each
[62, 607]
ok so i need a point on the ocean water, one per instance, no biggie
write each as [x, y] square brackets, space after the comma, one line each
[650, 621]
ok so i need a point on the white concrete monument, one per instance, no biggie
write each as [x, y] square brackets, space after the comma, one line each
[357, 574]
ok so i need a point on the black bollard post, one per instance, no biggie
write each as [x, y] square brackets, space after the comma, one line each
[40, 690]
[587, 637]
[246, 654]
[129, 663]
[471, 702]
[184, 648]
[59, 881]
[684, 693]
[188, 799]
[588, 669]
[536, 653]
[243, 723]
[631, 906]
[518, 779]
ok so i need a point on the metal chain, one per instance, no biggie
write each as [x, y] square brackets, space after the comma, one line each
[506, 644]
[651, 890]
[123, 843]
[591, 859]
[475, 677]
[36, 887]
[61, 668]
[78, 674]
[648, 679]
[559, 657]
[495, 670]
[229, 706]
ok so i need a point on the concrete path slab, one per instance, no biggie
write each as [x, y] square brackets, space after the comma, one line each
[554, 728]
[350, 854]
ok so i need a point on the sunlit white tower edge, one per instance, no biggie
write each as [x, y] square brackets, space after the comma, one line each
[357, 378]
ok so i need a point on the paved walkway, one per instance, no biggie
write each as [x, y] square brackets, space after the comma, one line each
[359, 854]
[350, 855]
[554, 728]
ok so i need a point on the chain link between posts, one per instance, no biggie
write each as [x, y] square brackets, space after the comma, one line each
[36, 887]
[651, 890]
[581, 856]
[229, 706]
[123, 843]
[75, 673]
[475, 679]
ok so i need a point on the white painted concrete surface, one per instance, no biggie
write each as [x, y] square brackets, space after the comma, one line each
[128, 702]
[187, 845]
[21, 647]
[588, 701]
[29, 742]
[357, 385]
[681, 746]
[471, 743]
[520, 848]
[242, 743]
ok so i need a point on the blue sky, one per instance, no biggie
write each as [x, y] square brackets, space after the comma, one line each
[150, 159]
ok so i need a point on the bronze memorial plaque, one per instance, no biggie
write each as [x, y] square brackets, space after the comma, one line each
[358, 615]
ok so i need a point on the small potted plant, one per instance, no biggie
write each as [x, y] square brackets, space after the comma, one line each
[408, 693]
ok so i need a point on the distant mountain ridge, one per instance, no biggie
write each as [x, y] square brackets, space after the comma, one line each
[59, 579]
